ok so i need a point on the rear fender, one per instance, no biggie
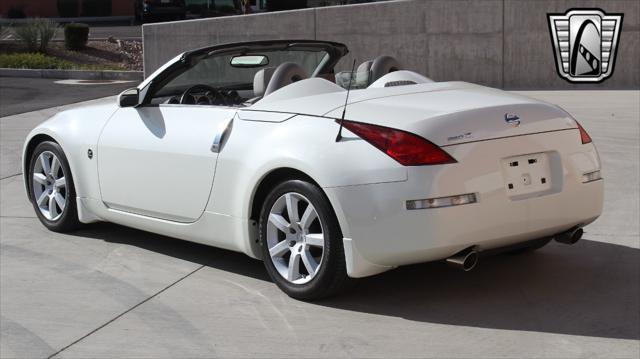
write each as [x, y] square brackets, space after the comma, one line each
[303, 143]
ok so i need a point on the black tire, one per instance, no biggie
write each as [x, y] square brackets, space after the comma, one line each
[332, 274]
[68, 220]
[531, 246]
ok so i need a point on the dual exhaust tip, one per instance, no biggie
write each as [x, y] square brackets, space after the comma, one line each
[571, 236]
[467, 259]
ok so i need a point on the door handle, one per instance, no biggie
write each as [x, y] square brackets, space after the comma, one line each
[220, 135]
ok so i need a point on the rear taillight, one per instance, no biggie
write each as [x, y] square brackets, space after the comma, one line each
[584, 136]
[406, 148]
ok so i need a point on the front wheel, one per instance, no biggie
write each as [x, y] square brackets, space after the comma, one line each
[51, 188]
[302, 242]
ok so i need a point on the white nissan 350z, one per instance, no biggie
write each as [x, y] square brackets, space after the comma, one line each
[259, 148]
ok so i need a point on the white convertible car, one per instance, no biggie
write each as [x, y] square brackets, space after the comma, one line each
[258, 147]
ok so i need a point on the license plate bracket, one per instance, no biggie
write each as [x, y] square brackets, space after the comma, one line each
[527, 174]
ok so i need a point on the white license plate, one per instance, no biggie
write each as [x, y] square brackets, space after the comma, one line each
[527, 174]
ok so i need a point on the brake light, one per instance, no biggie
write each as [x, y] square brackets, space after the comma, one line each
[406, 148]
[584, 136]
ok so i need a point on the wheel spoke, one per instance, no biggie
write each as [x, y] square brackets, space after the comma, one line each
[55, 165]
[309, 262]
[61, 182]
[53, 211]
[294, 266]
[44, 162]
[40, 200]
[292, 207]
[308, 217]
[40, 178]
[315, 239]
[60, 200]
[279, 222]
[279, 249]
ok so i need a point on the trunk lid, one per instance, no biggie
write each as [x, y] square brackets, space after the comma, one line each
[460, 114]
[445, 113]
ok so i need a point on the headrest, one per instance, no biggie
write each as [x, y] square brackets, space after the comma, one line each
[363, 73]
[285, 74]
[383, 65]
[261, 81]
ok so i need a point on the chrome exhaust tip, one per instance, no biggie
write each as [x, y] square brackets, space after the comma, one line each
[571, 236]
[465, 260]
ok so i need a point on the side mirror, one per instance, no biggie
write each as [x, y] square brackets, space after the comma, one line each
[129, 98]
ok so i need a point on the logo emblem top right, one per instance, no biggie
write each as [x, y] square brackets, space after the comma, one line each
[585, 42]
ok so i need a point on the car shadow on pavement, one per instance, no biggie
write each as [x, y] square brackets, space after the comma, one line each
[222, 259]
[589, 289]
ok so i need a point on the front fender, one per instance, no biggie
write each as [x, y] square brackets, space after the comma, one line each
[76, 131]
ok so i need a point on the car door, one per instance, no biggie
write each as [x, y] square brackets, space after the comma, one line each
[158, 161]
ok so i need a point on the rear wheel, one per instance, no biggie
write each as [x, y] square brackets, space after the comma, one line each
[302, 242]
[51, 188]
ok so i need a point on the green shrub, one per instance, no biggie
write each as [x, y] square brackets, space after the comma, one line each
[76, 36]
[28, 35]
[96, 8]
[32, 60]
[36, 34]
[46, 31]
[68, 8]
[36, 60]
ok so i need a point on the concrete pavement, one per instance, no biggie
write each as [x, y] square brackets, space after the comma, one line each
[109, 291]
[18, 95]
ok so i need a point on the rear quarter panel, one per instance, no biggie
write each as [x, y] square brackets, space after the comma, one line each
[305, 143]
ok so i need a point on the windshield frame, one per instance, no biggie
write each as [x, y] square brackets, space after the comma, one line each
[335, 51]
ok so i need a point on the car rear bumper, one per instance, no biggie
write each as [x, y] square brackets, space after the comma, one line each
[381, 233]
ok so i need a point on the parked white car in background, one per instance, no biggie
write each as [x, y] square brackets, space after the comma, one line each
[248, 147]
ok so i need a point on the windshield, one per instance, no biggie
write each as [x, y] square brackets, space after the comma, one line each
[217, 71]
[239, 74]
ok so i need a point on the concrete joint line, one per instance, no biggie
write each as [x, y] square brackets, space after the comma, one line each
[125, 312]
[10, 176]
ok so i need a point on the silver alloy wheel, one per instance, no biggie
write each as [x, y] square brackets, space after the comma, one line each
[49, 186]
[296, 243]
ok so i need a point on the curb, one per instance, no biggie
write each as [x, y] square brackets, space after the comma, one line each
[73, 74]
